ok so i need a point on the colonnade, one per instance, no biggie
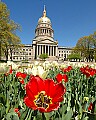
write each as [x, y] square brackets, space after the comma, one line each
[44, 32]
[49, 49]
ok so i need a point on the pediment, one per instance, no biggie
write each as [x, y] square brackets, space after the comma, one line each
[47, 41]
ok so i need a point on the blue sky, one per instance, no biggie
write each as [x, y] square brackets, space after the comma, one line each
[71, 19]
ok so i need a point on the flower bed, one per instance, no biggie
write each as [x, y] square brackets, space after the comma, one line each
[48, 91]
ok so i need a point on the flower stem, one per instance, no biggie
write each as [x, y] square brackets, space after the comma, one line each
[43, 117]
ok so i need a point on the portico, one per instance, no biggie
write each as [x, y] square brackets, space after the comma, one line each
[51, 50]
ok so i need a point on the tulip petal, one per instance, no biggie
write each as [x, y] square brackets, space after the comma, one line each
[29, 103]
[53, 107]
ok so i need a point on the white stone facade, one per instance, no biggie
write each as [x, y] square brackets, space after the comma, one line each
[42, 43]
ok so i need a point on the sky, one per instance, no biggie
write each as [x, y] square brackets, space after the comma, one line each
[71, 19]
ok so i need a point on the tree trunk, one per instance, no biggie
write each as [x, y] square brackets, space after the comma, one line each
[6, 53]
[0, 50]
[11, 53]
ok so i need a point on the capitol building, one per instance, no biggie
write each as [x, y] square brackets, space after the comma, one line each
[43, 42]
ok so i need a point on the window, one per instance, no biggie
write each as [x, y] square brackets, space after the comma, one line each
[29, 53]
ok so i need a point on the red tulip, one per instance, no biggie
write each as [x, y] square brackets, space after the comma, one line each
[17, 111]
[90, 106]
[44, 95]
[22, 81]
[68, 69]
[88, 71]
[10, 71]
[65, 78]
[60, 78]
[21, 77]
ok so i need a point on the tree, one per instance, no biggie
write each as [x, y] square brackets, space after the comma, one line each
[86, 46]
[8, 38]
[43, 56]
[74, 56]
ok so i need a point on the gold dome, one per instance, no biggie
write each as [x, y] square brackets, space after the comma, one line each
[44, 19]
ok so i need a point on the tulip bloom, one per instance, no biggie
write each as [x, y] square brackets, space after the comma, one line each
[88, 71]
[10, 71]
[44, 95]
[90, 107]
[17, 111]
[68, 69]
[60, 78]
[65, 78]
[21, 77]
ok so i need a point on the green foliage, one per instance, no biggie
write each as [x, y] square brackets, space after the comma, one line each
[74, 56]
[25, 61]
[78, 87]
[95, 57]
[8, 37]
[86, 45]
[43, 56]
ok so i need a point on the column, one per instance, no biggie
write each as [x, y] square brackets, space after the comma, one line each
[42, 49]
[56, 51]
[45, 48]
[48, 31]
[39, 49]
[48, 50]
[53, 50]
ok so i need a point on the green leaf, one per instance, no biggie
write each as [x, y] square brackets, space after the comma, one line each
[86, 118]
[12, 116]
[47, 116]
[68, 116]
[63, 109]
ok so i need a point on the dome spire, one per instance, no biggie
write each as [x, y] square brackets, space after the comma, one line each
[44, 12]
